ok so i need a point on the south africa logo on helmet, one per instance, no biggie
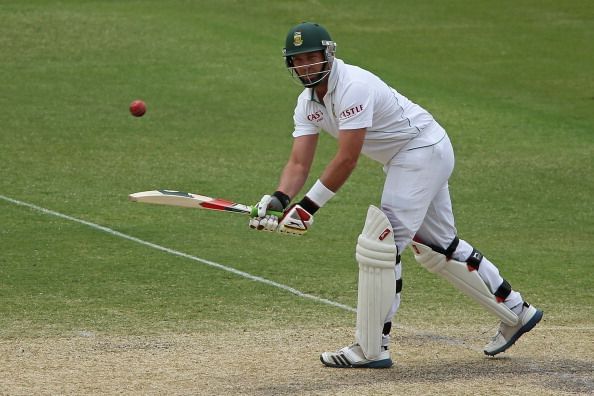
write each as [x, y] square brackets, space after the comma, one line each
[306, 37]
[297, 39]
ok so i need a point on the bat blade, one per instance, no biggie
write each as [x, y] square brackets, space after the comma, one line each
[189, 200]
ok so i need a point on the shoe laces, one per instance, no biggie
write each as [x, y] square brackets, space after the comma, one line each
[496, 335]
[499, 331]
[340, 351]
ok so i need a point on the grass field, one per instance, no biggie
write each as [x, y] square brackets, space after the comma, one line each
[88, 310]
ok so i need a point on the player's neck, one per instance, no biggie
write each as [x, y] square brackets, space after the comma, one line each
[321, 90]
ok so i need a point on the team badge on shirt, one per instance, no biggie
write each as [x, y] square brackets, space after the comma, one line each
[297, 40]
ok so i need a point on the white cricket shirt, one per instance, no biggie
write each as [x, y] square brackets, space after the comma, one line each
[357, 98]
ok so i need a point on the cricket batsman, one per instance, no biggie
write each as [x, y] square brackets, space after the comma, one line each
[369, 117]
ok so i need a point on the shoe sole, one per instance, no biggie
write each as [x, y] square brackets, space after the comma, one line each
[524, 329]
[376, 364]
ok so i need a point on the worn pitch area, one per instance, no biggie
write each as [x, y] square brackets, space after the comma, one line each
[551, 360]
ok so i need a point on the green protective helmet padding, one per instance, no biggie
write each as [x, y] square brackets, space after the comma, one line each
[306, 37]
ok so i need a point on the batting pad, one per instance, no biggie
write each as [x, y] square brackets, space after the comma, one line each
[468, 282]
[376, 255]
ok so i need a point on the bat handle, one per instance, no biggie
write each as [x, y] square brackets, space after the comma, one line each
[254, 212]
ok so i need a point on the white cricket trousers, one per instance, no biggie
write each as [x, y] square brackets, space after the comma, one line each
[416, 200]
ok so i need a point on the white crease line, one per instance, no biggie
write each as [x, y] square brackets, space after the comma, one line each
[181, 254]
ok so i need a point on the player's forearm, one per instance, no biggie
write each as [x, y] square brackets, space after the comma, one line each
[344, 162]
[292, 179]
[337, 172]
[334, 176]
[297, 168]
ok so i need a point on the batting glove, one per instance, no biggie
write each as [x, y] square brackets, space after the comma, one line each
[295, 221]
[276, 202]
[266, 223]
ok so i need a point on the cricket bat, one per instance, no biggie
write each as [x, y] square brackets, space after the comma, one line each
[189, 200]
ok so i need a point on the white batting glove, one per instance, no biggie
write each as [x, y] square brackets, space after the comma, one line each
[263, 205]
[275, 202]
[266, 223]
[296, 221]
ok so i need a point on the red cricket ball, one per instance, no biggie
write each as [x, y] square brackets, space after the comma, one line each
[137, 108]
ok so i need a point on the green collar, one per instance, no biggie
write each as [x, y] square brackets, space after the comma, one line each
[313, 97]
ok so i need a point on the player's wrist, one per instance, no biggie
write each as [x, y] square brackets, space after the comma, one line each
[319, 194]
[310, 206]
[283, 198]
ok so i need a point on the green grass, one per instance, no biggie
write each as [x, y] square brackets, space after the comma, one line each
[511, 82]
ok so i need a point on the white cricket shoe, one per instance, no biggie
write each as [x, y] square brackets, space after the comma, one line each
[507, 335]
[353, 357]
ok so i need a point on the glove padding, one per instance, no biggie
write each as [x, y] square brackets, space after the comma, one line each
[295, 221]
[263, 205]
[269, 202]
[266, 223]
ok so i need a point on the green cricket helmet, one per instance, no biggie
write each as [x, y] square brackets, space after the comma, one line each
[309, 37]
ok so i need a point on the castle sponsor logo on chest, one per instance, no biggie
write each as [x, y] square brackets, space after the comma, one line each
[316, 116]
[353, 111]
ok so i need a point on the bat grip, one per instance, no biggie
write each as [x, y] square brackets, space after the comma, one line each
[254, 213]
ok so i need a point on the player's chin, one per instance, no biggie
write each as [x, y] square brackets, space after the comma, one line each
[308, 82]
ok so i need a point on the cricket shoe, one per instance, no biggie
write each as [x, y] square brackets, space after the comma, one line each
[353, 357]
[507, 335]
